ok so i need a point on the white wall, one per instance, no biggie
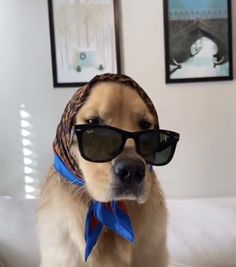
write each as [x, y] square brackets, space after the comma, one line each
[203, 113]
[26, 78]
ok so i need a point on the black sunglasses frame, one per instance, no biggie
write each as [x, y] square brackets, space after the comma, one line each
[173, 138]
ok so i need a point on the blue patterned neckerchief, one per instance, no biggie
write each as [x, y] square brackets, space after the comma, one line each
[112, 215]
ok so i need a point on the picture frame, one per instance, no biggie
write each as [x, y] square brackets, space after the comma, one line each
[84, 37]
[198, 40]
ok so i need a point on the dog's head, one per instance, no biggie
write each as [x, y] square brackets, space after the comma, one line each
[127, 176]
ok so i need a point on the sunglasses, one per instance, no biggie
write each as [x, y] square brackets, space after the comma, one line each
[102, 143]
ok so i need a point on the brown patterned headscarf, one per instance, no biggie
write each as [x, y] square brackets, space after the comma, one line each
[62, 142]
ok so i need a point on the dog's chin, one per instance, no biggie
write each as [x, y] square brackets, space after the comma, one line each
[131, 196]
[139, 194]
[140, 199]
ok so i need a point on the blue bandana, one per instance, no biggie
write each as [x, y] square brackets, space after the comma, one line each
[112, 215]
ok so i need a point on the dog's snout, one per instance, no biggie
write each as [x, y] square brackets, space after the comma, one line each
[129, 171]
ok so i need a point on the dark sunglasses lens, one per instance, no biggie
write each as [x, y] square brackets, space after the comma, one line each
[156, 148]
[100, 144]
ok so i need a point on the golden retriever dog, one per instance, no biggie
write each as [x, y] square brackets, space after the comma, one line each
[118, 102]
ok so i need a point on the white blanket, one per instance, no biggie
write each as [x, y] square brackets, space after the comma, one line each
[202, 232]
[18, 238]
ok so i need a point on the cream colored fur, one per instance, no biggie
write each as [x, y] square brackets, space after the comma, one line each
[63, 207]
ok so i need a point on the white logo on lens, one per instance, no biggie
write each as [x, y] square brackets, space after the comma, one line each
[90, 131]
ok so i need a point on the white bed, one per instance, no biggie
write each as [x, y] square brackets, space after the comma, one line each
[201, 233]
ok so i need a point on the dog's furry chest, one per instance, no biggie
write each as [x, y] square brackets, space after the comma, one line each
[62, 235]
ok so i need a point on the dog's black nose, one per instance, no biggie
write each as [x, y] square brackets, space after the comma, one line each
[129, 171]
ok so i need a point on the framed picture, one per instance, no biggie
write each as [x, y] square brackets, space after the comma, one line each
[84, 40]
[198, 40]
